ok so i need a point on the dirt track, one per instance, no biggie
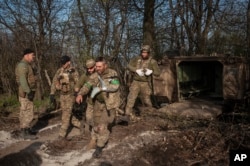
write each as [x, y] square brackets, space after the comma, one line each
[157, 139]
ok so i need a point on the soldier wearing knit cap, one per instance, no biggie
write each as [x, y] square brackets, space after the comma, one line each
[26, 81]
[64, 81]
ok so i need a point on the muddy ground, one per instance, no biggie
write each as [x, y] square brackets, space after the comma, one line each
[173, 135]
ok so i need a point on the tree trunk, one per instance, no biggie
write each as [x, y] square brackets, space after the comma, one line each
[148, 23]
[85, 28]
[248, 28]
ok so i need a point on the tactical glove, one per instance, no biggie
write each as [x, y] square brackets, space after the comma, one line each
[148, 72]
[140, 72]
[31, 95]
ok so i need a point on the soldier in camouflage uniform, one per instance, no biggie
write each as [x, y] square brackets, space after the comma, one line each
[142, 67]
[64, 81]
[106, 99]
[90, 66]
[26, 81]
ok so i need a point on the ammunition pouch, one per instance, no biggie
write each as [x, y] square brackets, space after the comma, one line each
[65, 87]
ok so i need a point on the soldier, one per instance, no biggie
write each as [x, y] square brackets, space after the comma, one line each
[142, 67]
[64, 81]
[90, 66]
[106, 98]
[26, 81]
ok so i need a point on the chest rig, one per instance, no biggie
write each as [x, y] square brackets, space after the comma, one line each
[65, 79]
[143, 64]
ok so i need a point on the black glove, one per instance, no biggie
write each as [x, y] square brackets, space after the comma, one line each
[52, 98]
[31, 95]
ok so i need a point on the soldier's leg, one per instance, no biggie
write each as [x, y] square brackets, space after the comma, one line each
[66, 107]
[89, 118]
[92, 142]
[101, 121]
[145, 94]
[76, 122]
[76, 117]
[133, 93]
[26, 114]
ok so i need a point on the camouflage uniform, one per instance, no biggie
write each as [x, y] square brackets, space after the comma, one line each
[89, 111]
[26, 81]
[105, 104]
[141, 84]
[64, 81]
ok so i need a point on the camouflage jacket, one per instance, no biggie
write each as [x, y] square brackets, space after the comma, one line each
[25, 78]
[139, 63]
[82, 80]
[111, 99]
[64, 81]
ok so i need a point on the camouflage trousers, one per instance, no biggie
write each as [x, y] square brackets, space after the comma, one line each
[89, 114]
[26, 114]
[88, 118]
[67, 102]
[101, 118]
[138, 88]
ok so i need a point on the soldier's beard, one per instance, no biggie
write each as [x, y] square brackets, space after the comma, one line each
[145, 58]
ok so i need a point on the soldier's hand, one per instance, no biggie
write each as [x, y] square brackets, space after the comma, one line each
[31, 95]
[140, 72]
[148, 72]
[79, 99]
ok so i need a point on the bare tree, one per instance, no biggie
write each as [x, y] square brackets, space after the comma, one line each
[196, 17]
[148, 22]
[248, 28]
[30, 25]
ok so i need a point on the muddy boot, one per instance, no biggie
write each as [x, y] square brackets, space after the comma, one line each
[32, 131]
[133, 118]
[121, 119]
[91, 144]
[98, 152]
[26, 134]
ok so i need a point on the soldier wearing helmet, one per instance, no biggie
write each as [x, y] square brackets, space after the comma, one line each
[64, 81]
[90, 69]
[143, 67]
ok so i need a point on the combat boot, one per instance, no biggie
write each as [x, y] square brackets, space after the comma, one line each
[26, 134]
[121, 119]
[32, 131]
[98, 152]
[91, 144]
[133, 118]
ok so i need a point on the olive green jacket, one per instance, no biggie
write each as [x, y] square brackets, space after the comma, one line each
[139, 63]
[111, 99]
[25, 78]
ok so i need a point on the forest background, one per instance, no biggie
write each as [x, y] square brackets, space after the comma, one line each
[115, 29]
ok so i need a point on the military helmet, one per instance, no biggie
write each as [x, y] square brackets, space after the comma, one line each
[146, 48]
[90, 63]
[64, 59]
